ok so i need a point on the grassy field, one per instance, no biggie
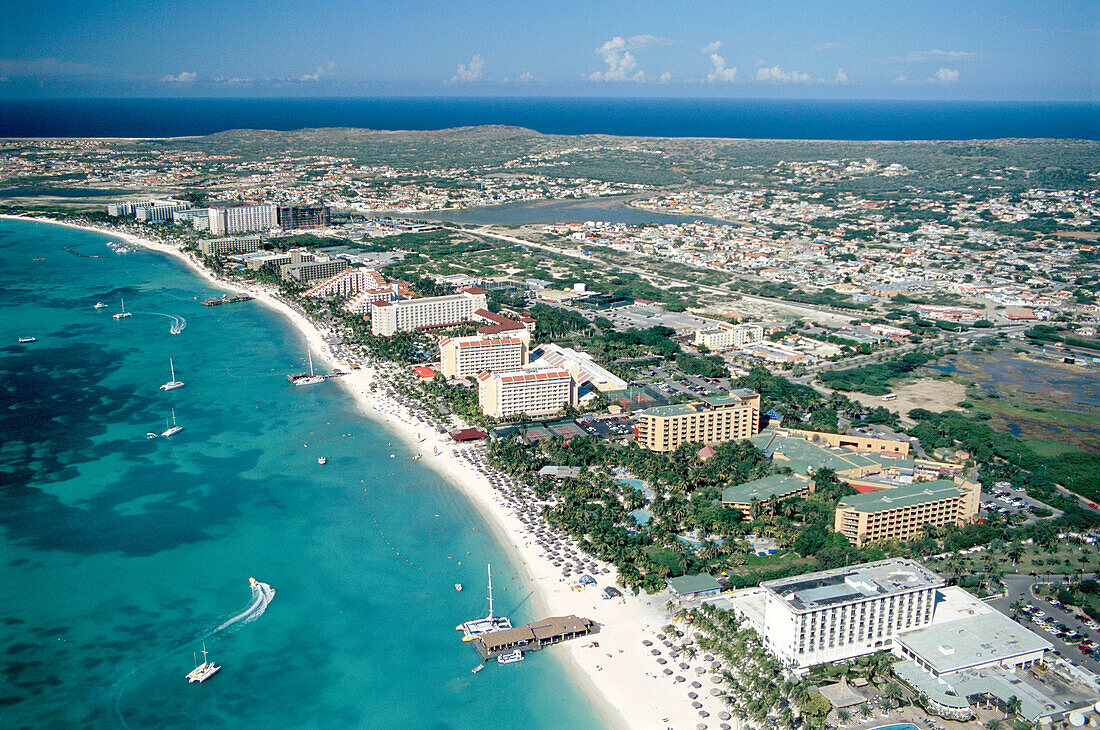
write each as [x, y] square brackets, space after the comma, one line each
[1066, 558]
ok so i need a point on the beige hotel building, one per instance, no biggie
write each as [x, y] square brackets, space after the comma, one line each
[461, 357]
[716, 419]
[533, 392]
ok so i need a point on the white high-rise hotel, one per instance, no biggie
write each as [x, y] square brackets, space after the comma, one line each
[843, 613]
[461, 357]
[389, 318]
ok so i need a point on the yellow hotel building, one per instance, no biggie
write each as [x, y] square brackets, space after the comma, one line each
[716, 419]
[902, 513]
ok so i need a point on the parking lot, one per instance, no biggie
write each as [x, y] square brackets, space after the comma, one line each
[1050, 624]
[1008, 500]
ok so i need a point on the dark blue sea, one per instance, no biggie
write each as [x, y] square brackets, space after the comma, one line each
[747, 118]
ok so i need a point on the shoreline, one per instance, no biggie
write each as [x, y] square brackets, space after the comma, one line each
[621, 677]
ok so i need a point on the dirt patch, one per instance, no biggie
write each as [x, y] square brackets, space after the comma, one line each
[931, 394]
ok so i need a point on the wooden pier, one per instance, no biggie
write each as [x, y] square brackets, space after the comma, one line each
[533, 636]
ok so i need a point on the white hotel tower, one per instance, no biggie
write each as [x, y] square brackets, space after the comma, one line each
[843, 613]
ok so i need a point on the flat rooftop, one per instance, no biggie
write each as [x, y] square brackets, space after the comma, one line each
[907, 496]
[776, 485]
[854, 583]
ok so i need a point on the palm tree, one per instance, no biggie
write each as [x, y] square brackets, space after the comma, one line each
[843, 716]
[1012, 707]
[993, 724]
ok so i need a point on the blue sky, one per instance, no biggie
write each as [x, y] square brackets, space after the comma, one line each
[920, 49]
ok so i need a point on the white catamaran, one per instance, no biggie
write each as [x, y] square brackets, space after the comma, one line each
[173, 383]
[122, 313]
[173, 429]
[204, 671]
[478, 626]
[310, 379]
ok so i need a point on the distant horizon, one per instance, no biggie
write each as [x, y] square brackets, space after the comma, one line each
[646, 116]
[593, 97]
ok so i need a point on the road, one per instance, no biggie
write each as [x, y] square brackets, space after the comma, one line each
[1018, 589]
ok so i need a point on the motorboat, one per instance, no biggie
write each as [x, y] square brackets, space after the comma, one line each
[511, 657]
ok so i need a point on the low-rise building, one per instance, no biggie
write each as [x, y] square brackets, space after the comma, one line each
[724, 336]
[226, 246]
[759, 491]
[319, 269]
[389, 318]
[461, 357]
[531, 392]
[903, 512]
[585, 370]
[348, 282]
[689, 587]
[713, 420]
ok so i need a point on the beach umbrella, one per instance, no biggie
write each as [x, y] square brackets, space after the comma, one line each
[696, 685]
[716, 678]
[696, 705]
[701, 726]
[723, 716]
[668, 671]
[715, 692]
[654, 652]
[704, 713]
[692, 696]
[684, 665]
[724, 726]
[679, 678]
[647, 642]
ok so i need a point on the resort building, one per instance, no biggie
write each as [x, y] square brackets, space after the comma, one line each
[320, 268]
[242, 219]
[531, 392]
[360, 302]
[902, 513]
[714, 420]
[839, 614]
[461, 357]
[584, 369]
[347, 282]
[776, 487]
[277, 259]
[389, 318]
[689, 587]
[725, 336]
[148, 210]
[197, 218]
[289, 217]
[225, 246]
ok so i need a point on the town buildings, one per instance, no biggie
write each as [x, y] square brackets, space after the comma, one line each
[461, 357]
[534, 392]
[389, 318]
[903, 512]
[715, 419]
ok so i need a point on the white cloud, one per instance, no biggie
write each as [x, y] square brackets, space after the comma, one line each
[184, 77]
[665, 77]
[775, 74]
[901, 79]
[525, 77]
[233, 80]
[841, 77]
[471, 72]
[720, 72]
[945, 76]
[937, 55]
[621, 64]
[321, 71]
[826, 46]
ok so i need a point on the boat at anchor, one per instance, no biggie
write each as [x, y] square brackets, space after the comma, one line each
[479, 626]
[204, 671]
[173, 383]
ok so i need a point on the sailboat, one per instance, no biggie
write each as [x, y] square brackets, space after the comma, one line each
[478, 626]
[204, 671]
[173, 429]
[303, 379]
[173, 383]
[122, 313]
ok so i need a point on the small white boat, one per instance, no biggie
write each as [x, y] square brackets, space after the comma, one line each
[511, 657]
[26, 340]
[477, 669]
[123, 313]
[173, 383]
[151, 435]
[100, 305]
[322, 460]
[204, 671]
[458, 586]
[310, 379]
[173, 429]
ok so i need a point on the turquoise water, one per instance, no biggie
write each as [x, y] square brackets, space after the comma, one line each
[118, 553]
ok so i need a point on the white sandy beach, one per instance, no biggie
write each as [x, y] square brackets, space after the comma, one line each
[622, 676]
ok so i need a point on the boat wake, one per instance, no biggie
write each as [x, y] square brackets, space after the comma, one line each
[179, 324]
[262, 593]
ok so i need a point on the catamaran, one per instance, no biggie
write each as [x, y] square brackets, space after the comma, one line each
[478, 626]
[123, 313]
[173, 383]
[173, 429]
[204, 671]
[303, 379]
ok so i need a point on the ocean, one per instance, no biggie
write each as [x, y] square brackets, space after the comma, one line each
[661, 117]
[120, 554]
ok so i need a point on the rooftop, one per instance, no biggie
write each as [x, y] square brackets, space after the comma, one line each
[687, 584]
[853, 583]
[906, 496]
[776, 485]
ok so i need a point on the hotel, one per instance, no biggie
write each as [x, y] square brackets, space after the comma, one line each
[461, 357]
[225, 246]
[531, 392]
[242, 219]
[902, 513]
[725, 336]
[389, 318]
[717, 419]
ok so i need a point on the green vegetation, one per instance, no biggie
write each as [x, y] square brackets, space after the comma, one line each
[875, 379]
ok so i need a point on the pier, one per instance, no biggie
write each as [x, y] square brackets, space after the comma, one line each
[533, 636]
[226, 299]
